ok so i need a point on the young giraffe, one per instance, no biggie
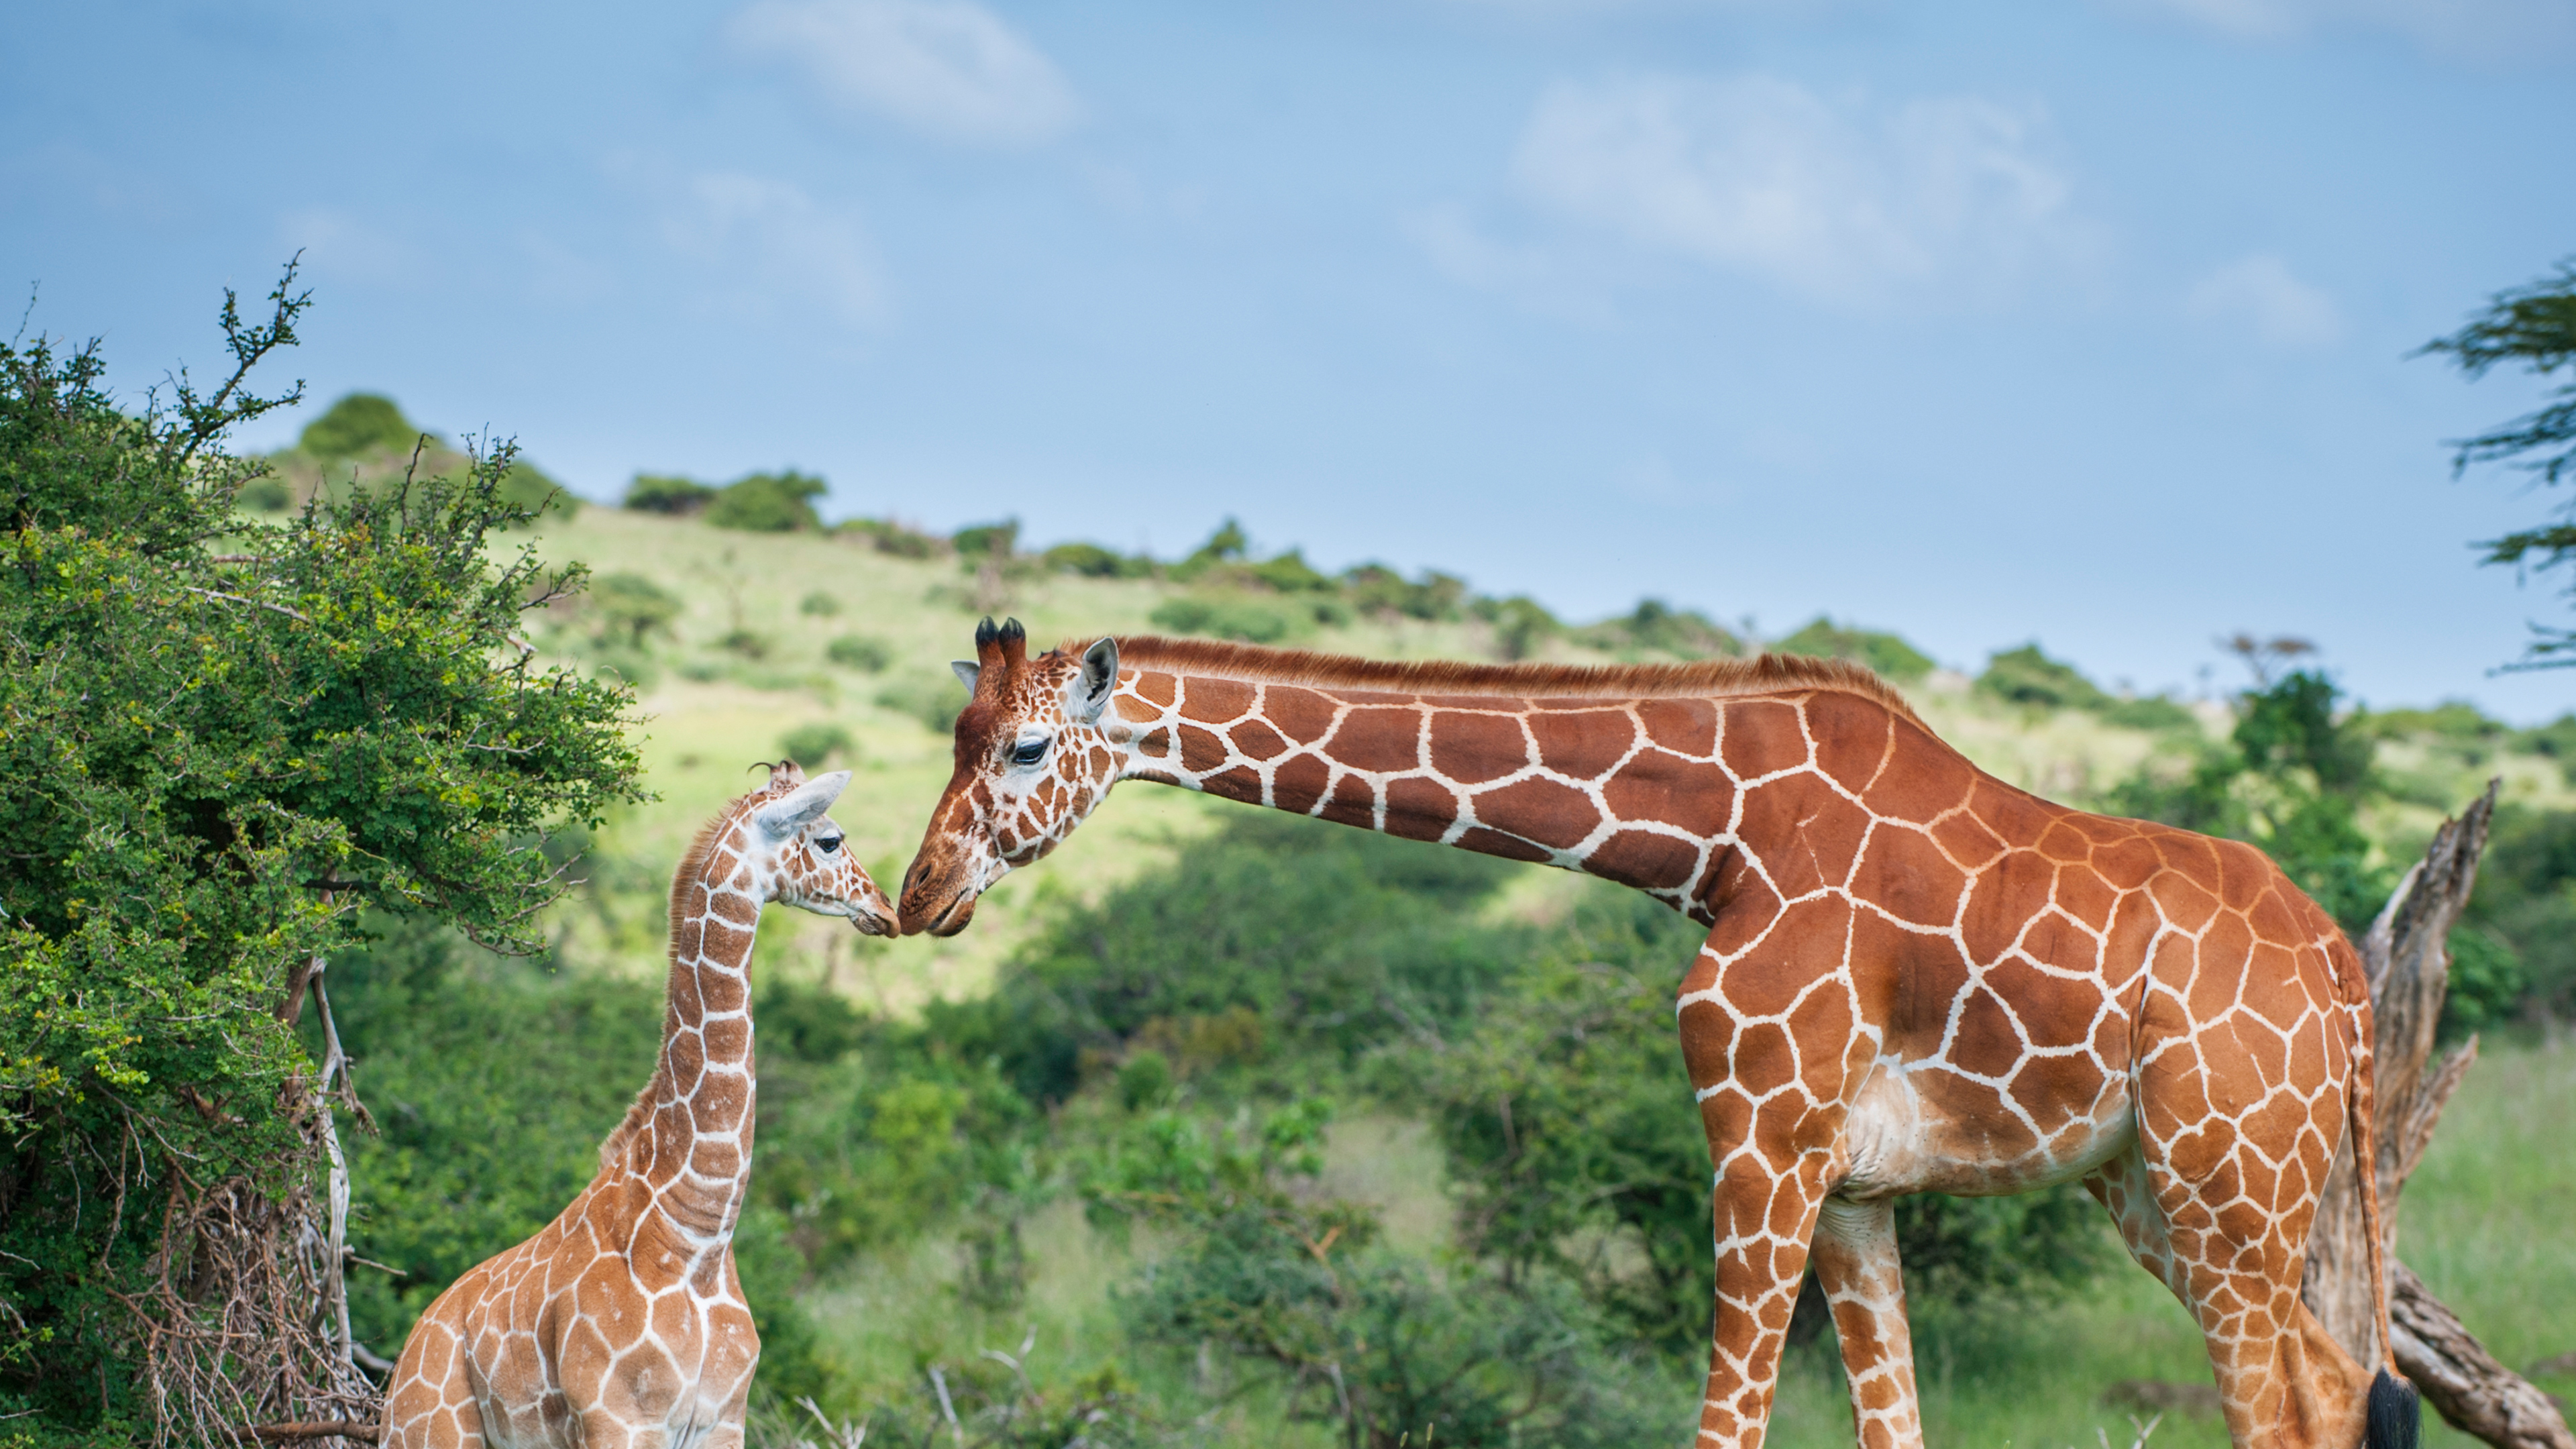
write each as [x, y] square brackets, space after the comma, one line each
[622, 1325]
[1917, 978]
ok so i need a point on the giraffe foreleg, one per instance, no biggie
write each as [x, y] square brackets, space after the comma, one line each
[1764, 1220]
[1856, 1264]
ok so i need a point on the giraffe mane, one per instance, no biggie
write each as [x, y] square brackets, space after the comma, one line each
[693, 863]
[1253, 663]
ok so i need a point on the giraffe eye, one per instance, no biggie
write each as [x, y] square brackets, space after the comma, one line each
[1029, 752]
[827, 843]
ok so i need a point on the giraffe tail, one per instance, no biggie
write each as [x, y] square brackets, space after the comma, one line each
[2395, 1413]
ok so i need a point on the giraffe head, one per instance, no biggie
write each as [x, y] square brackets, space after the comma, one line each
[1032, 761]
[798, 855]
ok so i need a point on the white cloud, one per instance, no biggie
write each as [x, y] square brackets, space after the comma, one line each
[2471, 29]
[2260, 292]
[949, 68]
[780, 249]
[1839, 200]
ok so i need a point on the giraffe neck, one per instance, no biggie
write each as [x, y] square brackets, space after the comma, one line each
[1645, 792]
[693, 1144]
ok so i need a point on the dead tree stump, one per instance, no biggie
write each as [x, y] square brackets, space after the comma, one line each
[2408, 962]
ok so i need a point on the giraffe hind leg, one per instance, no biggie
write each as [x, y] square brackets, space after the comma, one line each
[1855, 1259]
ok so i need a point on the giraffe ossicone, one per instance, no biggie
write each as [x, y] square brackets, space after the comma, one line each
[1917, 977]
[622, 1325]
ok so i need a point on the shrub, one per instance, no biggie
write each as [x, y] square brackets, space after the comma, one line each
[895, 539]
[1889, 656]
[1248, 617]
[195, 741]
[863, 652]
[987, 540]
[357, 425]
[819, 605]
[667, 493]
[628, 607]
[1659, 627]
[769, 503]
[266, 495]
[1375, 588]
[817, 743]
[2026, 677]
[1091, 561]
[1520, 623]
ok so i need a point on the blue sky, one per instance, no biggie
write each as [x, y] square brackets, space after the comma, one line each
[2082, 322]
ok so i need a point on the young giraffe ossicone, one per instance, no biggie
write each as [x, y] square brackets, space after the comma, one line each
[1917, 978]
[622, 1325]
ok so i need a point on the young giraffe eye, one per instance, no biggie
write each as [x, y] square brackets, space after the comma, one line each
[827, 843]
[1029, 752]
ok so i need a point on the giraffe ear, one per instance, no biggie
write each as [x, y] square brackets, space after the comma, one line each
[968, 671]
[1087, 693]
[791, 813]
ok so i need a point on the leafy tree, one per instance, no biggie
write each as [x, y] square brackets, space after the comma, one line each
[2292, 778]
[1289, 1282]
[358, 425]
[667, 493]
[218, 739]
[2024, 676]
[987, 540]
[1887, 654]
[2531, 327]
[630, 607]
[769, 503]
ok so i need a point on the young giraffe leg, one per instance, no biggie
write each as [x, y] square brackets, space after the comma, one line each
[432, 1404]
[1856, 1264]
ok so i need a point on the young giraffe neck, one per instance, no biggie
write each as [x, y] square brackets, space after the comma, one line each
[689, 1134]
[1647, 792]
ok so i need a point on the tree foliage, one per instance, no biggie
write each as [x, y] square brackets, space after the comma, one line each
[218, 738]
[2532, 327]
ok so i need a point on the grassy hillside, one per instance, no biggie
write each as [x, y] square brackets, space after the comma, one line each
[747, 660]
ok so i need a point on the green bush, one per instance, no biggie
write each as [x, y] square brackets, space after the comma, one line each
[817, 744]
[769, 503]
[1889, 656]
[2026, 677]
[1657, 627]
[1377, 589]
[895, 539]
[667, 493]
[1251, 618]
[629, 607]
[194, 742]
[863, 652]
[987, 540]
[1521, 624]
[266, 495]
[1091, 561]
[819, 605]
[356, 426]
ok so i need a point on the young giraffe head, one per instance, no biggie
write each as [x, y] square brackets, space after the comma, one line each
[1032, 761]
[798, 857]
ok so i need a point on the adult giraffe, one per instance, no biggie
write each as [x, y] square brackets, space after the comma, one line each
[622, 1325]
[1917, 978]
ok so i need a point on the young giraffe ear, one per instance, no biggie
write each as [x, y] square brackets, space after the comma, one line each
[1087, 693]
[968, 671]
[783, 817]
